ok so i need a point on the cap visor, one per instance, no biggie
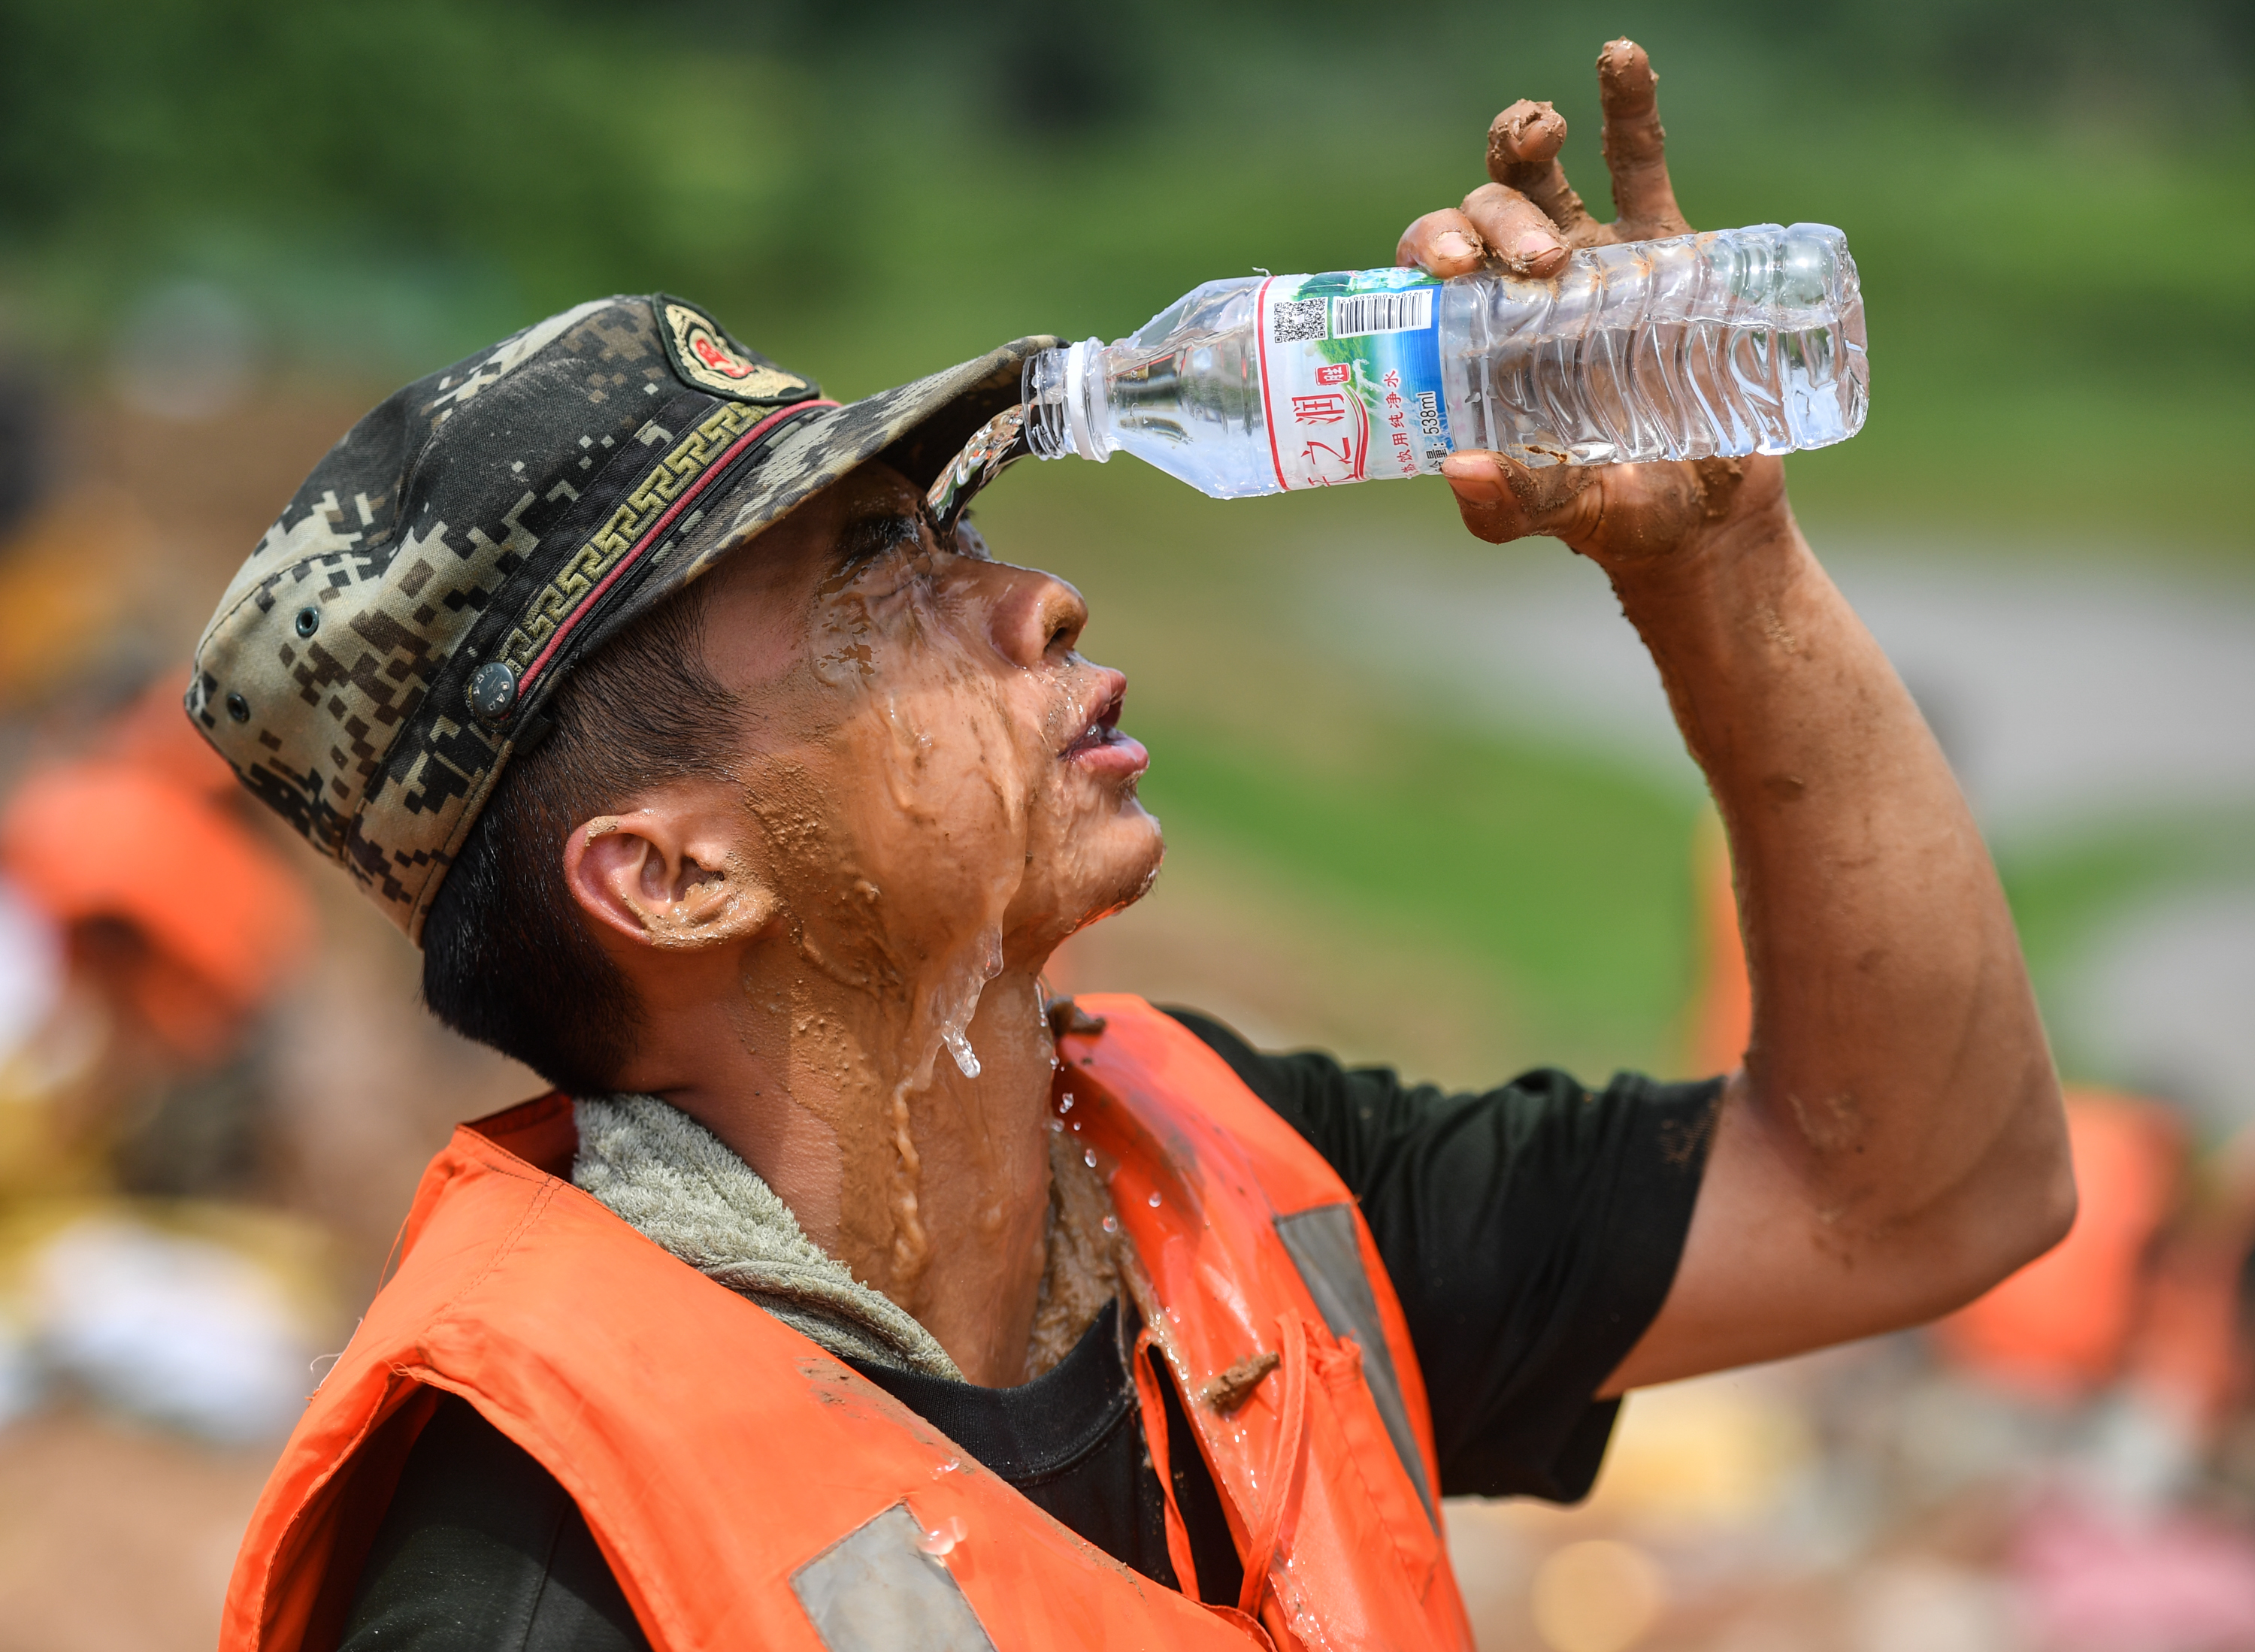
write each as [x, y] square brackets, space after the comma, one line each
[917, 427]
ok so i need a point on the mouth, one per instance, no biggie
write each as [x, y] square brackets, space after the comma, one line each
[1099, 745]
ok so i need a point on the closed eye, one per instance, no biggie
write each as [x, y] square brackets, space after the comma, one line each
[866, 538]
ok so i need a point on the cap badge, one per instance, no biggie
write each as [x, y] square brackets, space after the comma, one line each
[708, 358]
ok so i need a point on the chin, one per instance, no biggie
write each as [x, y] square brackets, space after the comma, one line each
[1097, 872]
[1125, 875]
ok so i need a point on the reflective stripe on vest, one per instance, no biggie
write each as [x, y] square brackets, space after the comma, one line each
[748, 1490]
[1322, 1244]
[882, 1587]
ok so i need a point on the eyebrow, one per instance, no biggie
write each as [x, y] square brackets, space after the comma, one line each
[872, 536]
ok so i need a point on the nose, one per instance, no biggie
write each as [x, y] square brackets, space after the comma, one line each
[1036, 616]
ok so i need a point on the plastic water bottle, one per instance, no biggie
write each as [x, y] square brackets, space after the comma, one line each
[1738, 341]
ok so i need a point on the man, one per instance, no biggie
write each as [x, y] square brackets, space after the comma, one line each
[726, 780]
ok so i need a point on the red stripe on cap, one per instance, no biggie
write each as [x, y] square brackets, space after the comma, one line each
[659, 528]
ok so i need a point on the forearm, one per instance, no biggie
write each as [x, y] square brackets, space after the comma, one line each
[1898, 1075]
[1894, 1143]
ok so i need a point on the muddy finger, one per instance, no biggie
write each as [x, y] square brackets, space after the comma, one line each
[1442, 243]
[1522, 154]
[1521, 232]
[1527, 134]
[1635, 143]
[1501, 501]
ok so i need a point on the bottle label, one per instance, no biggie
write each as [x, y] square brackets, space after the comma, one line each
[1350, 377]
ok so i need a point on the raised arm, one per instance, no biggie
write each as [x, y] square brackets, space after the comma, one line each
[1893, 1143]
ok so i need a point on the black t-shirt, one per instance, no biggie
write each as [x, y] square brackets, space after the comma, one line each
[1530, 1232]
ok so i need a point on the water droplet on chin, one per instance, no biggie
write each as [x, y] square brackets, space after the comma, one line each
[1088, 1157]
[941, 1540]
[1064, 1102]
[1112, 1224]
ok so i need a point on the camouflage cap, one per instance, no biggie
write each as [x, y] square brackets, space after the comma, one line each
[391, 641]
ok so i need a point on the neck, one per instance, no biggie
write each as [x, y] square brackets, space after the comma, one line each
[931, 1184]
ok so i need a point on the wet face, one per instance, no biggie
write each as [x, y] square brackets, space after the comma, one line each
[938, 779]
[835, 946]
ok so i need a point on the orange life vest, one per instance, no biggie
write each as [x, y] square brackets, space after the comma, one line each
[749, 1490]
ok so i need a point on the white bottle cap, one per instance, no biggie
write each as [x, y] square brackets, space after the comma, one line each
[1077, 362]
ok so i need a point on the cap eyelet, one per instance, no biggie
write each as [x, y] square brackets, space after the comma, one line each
[238, 708]
[493, 691]
[309, 620]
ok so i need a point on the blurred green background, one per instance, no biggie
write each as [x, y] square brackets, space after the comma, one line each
[2048, 203]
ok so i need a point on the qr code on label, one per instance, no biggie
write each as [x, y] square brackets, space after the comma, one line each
[1298, 322]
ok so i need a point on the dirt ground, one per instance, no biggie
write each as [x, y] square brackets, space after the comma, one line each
[114, 1538]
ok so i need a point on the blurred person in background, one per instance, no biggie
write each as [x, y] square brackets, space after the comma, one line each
[2132, 1340]
[851, 1292]
[175, 925]
[145, 928]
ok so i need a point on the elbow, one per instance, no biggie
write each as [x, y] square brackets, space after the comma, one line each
[2050, 1212]
[2031, 1198]
[1973, 1256]
[2048, 1199]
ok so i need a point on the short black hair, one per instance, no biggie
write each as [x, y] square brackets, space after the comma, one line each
[506, 956]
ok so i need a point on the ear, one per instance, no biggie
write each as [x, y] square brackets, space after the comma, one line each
[668, 876]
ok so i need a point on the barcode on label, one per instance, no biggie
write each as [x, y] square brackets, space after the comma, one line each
[1296, 321]
[1362, 313]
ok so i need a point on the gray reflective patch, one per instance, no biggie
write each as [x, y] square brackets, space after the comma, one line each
[874, 1591]
[1321, 1242]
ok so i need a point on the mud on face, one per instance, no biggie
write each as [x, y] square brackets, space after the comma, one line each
[943, 795]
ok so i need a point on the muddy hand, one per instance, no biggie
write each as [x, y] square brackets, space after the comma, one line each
[1529, 216]
[1526, 219]
[1614, 515]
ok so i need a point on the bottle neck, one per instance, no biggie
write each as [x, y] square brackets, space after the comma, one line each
[1060, 389]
